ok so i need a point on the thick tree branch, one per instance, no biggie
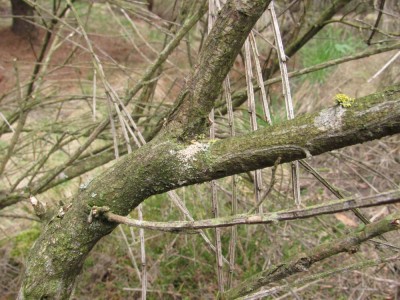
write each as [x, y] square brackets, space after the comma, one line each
[87, 164]
[82, 166]
[167, 163]
[304, 261]
[163, 165]
[6, 200]
[190, 114]
[57, 257]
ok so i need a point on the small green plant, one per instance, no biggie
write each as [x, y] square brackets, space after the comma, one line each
[330, 43]
[344, 100]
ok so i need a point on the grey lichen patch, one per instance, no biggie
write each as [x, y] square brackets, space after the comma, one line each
[330, 119]
[188, 154]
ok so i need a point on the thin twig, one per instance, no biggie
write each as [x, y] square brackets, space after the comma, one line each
[212, 10]
[316, 277]
[252, 113]
[234, 200]
[332, 189]
[288, 97]
[130, 254]
[384, 67]
[269, 189]
[303, 261]
[285, 215]
[378, 19]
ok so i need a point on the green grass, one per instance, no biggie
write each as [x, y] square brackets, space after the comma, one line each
[330, 43]
[24, 241]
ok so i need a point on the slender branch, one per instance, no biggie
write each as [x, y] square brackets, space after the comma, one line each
[311, 31]
[266, 218]
[240, 96]
[15, 216]
[38, 64]
[331, 188]
[360, 27]
[270, 186]
[319, 276]
[44, 184]
[164, 54]
[304, 261]
[378, 19]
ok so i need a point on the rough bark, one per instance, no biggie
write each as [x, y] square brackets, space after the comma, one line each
[106, 155]
[189, 116]
[57, 256]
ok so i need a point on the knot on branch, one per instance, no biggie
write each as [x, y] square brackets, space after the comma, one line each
[396, 223]
[97, 212]
[39, 207]
[352, 249]
[303, 264]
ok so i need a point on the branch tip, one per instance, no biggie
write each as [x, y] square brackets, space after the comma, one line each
[39, 207]
[396, 222]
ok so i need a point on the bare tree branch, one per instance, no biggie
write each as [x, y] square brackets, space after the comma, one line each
[266, 218]
[304, 261]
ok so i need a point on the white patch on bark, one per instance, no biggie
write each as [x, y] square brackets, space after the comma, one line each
[330, 119]
[34, 201]
[49, 266]
[189, 153]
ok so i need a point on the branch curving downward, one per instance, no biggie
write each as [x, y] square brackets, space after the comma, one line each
[304, 261]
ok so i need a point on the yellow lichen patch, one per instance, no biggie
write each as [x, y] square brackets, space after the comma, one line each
[344, 100]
